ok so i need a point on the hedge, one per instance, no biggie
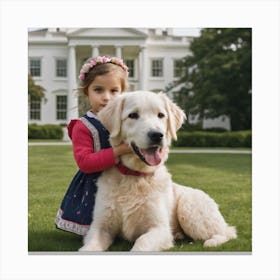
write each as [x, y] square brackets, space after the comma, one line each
[47, 131]
[212, 139]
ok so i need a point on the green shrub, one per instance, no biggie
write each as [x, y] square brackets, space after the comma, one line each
[212, 139]
[191, 127]
[47, 131]
[214, 129]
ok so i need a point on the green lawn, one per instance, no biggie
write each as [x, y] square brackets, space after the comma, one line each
[225, 177]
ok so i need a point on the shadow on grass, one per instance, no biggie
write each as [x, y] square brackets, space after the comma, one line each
[55, 240]
[59, 241]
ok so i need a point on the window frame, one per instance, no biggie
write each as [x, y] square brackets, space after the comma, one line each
[161, 68]
[30, 67]
[59, 111]
[131, 71]
[57, 68]
[33, 101]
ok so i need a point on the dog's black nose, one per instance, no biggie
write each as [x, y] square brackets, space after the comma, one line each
[155, 137]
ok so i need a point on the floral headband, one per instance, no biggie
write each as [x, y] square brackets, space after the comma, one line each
[101, 60]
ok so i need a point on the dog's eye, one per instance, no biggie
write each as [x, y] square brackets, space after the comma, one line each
[160, 115]
[133, 116]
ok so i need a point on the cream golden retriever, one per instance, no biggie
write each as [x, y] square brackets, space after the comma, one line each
[137, 198]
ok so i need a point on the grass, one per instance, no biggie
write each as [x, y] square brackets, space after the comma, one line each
[225, 177]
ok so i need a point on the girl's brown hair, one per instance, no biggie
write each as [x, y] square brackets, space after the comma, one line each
[103, 69]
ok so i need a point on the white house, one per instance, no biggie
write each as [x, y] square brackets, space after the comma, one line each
[56, 55]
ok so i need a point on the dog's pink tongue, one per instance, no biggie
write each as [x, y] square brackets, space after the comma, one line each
[152, 156]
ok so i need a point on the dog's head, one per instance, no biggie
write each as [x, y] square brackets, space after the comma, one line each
[147, 122]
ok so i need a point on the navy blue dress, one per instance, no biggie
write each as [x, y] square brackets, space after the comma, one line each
[76, 210]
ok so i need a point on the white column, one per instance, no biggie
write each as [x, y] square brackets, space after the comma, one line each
[72, 100]
[118, 51]
[95, 50]
[143, 68]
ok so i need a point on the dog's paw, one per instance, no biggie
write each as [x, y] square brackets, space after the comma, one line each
[210, 243]
[85, 248]
[215, 241]
[90, 248]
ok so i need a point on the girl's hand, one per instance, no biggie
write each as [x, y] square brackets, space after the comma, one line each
[121, 150]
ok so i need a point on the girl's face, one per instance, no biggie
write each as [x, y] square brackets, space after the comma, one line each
[101, 90]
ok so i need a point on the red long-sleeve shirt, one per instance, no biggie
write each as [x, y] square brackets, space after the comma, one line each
[86, 158]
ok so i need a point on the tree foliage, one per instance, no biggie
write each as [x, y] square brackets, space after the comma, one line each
[217, 76]
[35, 90]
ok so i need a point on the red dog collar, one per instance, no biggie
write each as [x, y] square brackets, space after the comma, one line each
[126, 171]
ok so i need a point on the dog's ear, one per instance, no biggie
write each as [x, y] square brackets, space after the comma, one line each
[176, 116]
[110, 116]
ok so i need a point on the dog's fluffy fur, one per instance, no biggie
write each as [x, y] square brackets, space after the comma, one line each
[149, 210]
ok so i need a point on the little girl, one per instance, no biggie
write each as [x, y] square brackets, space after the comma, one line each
[102, 79]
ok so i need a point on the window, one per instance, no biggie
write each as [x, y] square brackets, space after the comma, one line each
[177, 70]
[157, 67]
[35, 67]
[130, 64]
[35, 108]
[61, 68]
[61, 107]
